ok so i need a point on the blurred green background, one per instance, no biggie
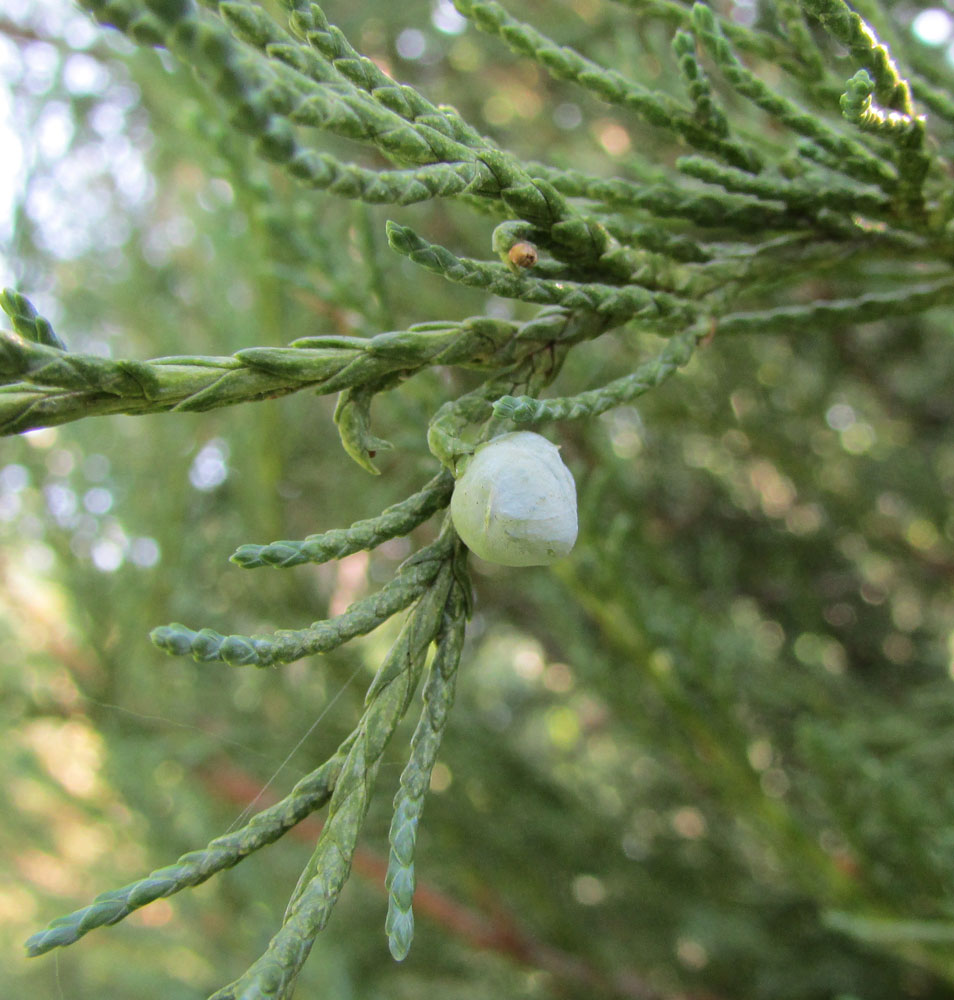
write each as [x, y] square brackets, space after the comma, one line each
[709, 755]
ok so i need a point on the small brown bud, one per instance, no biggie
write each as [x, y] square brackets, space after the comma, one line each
[523, 254]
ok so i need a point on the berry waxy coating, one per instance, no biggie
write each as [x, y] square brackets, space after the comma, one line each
[515, 502]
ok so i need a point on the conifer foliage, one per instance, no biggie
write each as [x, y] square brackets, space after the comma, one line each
[795, 184]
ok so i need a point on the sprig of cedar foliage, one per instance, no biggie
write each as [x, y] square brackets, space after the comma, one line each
[847, 170]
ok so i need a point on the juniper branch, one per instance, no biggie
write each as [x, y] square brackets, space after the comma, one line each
[444, 177]
[501, 175]
[664, 201]
[273, 975]
[446, 430]
[847, 26]
[269, 97]
[45, 386]
[707, 111]
[413, 578]
[264, 828]
[745, 39]
[924, 73]
[416, 776]
[611, 86]
[793, 18]
[658, 239]
[904, 301]
[525, 409]
[621, 263]
[679, 349]
[853, 158]
[326, 58]
[266, 97]
[310, 22]
[379, 187]
[628, 302]
[353, 420]
[937, 100]
[904, 131]
[27, 321]
[393, 522]
[803, 197]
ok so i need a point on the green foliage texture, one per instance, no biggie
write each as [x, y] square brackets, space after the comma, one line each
[707, 754]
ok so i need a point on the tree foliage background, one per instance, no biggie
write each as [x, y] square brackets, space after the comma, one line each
[709, 754]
